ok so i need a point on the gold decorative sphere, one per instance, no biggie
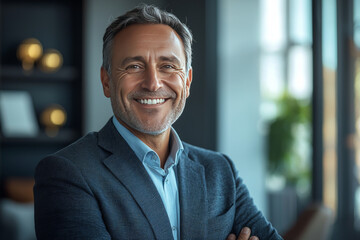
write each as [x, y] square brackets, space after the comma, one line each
[28, 52]
[53, 118]
[51, 61]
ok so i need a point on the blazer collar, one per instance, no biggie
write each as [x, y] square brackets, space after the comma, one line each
[129, 170]
[193, 198]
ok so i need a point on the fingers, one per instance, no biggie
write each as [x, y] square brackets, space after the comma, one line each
[244, 234]
[231, 237]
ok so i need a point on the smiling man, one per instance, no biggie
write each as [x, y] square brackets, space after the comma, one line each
[135, 178]
[148, 82]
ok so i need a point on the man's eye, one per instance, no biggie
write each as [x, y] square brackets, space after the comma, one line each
[168, 67]
[133, 67]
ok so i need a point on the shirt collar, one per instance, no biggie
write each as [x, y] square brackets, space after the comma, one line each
[141, 149]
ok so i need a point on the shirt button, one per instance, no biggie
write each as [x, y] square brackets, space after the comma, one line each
[174, 228]
[167, 180]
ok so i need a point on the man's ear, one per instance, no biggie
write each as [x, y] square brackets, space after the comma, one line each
[105, 80]
[188, 82]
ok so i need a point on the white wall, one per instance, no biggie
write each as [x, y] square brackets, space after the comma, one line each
[239, 93]
[98, 15]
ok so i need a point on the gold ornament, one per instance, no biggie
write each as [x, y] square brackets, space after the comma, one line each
[53, 118]
[28, 52]
[51, 61]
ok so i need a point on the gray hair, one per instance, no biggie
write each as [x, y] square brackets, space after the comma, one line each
[145, 14]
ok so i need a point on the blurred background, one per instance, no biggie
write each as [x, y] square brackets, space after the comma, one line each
[276, 87]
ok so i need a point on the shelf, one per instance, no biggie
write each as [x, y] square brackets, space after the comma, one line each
[64, 136]
[16, 73]
[57, 24]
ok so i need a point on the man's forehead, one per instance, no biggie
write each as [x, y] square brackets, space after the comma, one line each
[139, 37]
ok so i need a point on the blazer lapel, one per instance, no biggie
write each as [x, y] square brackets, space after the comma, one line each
[124, 164]
[193, 199]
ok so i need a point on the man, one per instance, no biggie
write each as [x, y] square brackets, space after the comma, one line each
[135, 179]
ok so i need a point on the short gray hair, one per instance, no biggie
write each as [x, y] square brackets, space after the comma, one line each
[145, 14]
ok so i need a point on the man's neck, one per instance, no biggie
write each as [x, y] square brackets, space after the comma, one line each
[159, 143]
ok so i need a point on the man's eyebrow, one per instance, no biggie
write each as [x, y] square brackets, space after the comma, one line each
[132, 59]
[172, 59]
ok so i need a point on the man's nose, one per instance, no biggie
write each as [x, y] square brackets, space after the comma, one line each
[152, 81]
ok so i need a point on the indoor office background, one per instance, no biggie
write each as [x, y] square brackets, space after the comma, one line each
[276, 87]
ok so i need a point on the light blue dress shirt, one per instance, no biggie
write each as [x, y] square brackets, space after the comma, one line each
[164, 179]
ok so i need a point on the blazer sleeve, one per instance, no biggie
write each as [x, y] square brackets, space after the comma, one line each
[247, 214]
[65, 207]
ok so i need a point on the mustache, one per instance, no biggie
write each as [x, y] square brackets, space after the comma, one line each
[161, 93]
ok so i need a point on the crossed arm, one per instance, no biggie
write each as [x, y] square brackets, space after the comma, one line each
[248, 218]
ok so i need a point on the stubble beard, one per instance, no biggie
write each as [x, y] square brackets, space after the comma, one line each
[128, 116]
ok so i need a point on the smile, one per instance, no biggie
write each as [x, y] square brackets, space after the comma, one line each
[151, 101]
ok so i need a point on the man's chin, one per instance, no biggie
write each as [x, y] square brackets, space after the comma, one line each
[149, 129]
[153, 132]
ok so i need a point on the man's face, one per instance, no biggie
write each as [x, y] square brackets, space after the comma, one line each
[148, 85]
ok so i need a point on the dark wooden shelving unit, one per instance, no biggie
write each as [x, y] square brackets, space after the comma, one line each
[57, 24]
[16, 73]
[64, 136]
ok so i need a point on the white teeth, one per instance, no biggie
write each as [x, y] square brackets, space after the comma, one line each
[151, 101]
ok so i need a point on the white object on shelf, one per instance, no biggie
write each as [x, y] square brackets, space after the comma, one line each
[17, 115]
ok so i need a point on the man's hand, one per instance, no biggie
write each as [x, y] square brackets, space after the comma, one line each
[244, 235]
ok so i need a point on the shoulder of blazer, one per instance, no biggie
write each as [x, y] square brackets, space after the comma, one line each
[197, 153]
[212, 161]
[86, 147]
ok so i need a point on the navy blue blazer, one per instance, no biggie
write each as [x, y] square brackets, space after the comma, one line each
[96, 188]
